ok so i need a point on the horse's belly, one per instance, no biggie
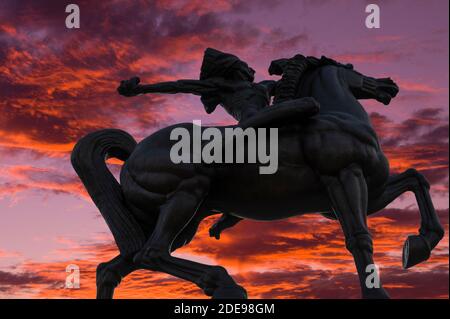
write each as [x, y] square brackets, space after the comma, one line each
[290, 191]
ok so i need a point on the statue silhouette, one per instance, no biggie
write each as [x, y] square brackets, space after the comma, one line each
[330, 162]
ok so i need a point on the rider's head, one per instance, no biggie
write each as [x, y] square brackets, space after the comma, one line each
[225, 65]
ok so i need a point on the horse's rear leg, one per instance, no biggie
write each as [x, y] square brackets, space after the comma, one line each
[180, 208]
[348, 195]
[110, 274]
[417, 248]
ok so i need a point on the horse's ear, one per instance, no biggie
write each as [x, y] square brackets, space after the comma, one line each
[277, 66]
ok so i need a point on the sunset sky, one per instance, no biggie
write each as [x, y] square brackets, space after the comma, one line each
[57, 84]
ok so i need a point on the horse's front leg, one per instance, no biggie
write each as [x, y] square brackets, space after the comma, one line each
[348, 195]
[417, 248]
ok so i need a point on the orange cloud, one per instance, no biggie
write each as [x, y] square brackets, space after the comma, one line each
[317, 266]
[58, 86]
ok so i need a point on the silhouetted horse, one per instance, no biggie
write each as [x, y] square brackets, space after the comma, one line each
[330, 163]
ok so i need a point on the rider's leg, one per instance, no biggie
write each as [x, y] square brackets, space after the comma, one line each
[248, 111]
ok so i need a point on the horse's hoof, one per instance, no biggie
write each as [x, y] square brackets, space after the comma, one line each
[376, 293]
[415, 250]
[236, 292]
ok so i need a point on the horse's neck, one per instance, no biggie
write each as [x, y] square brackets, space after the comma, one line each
[330, 89]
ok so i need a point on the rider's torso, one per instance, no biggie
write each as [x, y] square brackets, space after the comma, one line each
[244, 97]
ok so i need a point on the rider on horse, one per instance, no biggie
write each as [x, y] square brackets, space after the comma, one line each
[330, 163]
[227, 80]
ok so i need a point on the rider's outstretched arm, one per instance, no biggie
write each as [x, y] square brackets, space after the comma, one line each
[366, 87]
[197, 87]
[132, 87]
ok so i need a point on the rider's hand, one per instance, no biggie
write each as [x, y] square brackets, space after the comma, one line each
[129, 87]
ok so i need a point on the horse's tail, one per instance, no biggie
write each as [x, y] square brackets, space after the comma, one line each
[88, 160]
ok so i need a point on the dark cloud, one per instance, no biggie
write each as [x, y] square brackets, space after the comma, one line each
[20, 279]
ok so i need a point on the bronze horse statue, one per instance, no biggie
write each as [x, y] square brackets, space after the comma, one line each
[330, 162]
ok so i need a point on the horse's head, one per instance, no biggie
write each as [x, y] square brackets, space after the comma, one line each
[387, 89]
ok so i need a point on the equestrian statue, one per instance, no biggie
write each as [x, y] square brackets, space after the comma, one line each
[330, 163]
